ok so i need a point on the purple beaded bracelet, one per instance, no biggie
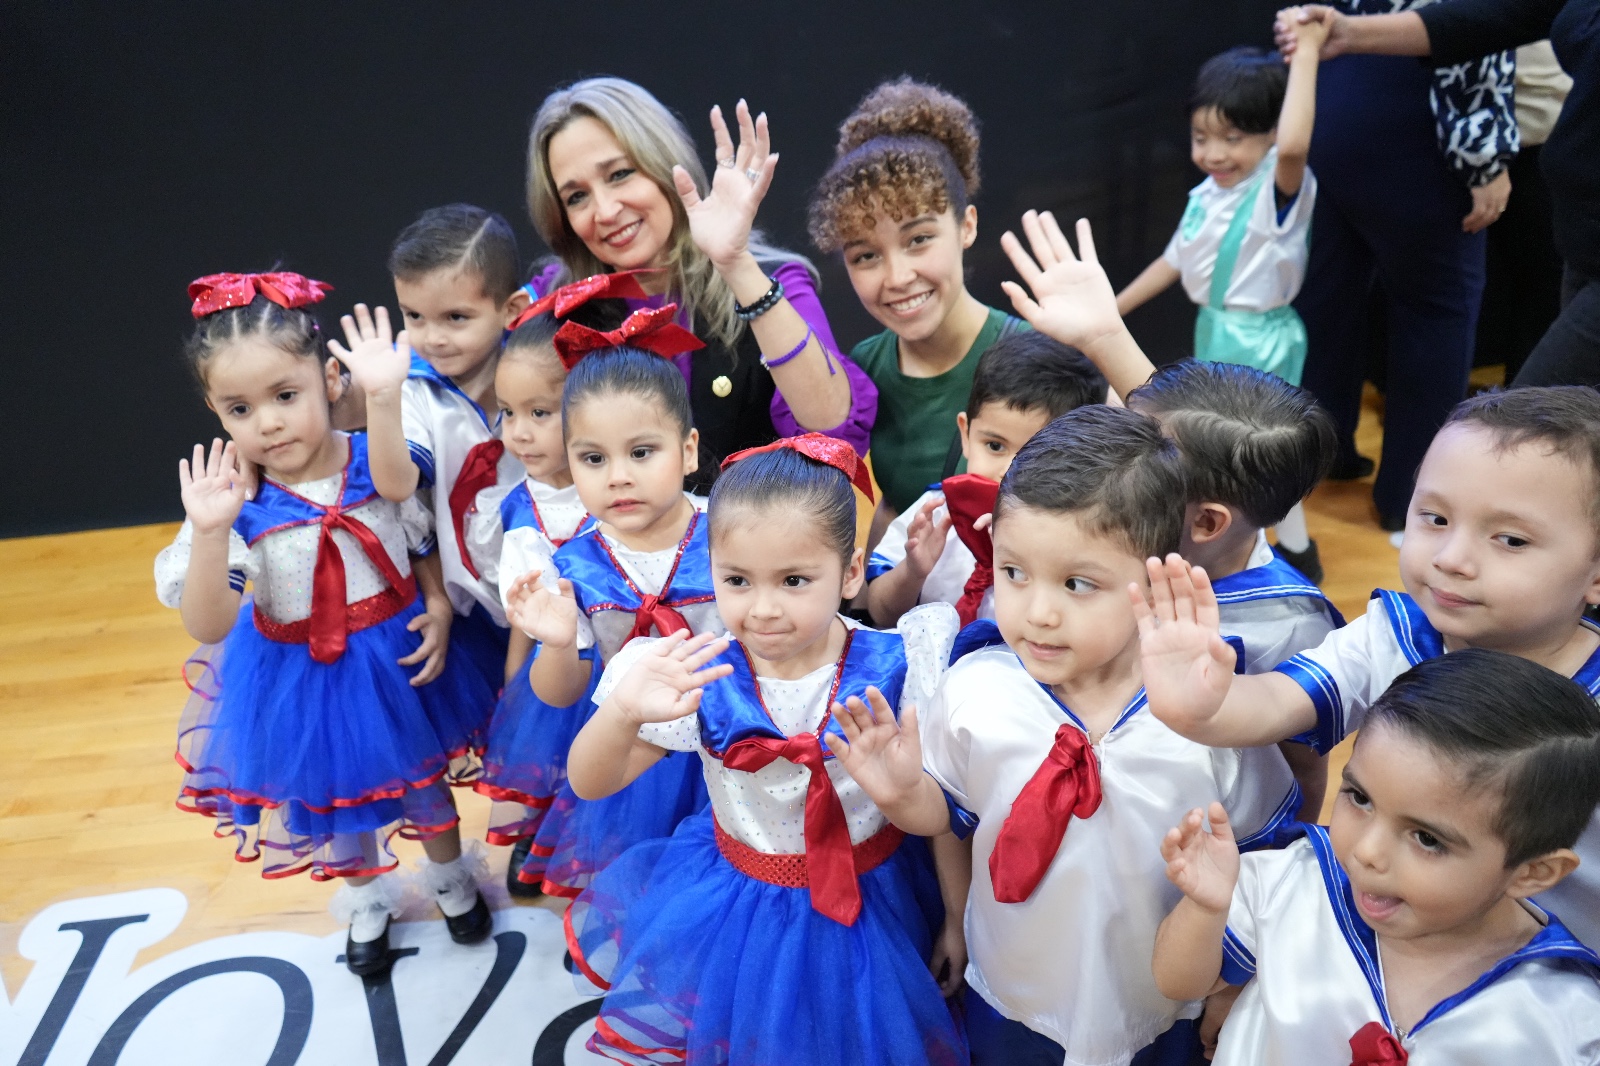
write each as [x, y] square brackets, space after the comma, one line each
[796, 350]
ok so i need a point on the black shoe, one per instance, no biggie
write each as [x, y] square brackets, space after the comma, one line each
[1307, 562]
[518, 888]
[370, 957]
[473, 926]
[1352, 469]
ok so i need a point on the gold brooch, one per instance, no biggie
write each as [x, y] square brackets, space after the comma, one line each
[721, 386]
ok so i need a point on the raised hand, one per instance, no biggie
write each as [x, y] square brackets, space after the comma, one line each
[1187, 666]
[1072, 298]
[720, 223]
[1204, 865]
[377, 360]
[1315, 25]
[548, 617]
[884, 756]
[925, 538]
[666, 681]
[213, 491]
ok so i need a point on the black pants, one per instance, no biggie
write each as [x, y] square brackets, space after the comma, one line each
[1569, 351]
[1388, 214]
[1522, 287]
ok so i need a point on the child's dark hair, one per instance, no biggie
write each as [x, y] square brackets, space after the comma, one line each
[797, 484]
[460, 237]
[534, 339]
[1028, 371]
[1564, 418]
[1250, 440]
[1111, 468]
[1245, 85]
[1508, 722]
[294, 330]
[629, 372]
[908, 148]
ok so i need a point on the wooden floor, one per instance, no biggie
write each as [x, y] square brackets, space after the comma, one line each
[89, 700]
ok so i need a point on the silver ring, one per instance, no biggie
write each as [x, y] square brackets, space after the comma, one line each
[753, 174]
[728, 162]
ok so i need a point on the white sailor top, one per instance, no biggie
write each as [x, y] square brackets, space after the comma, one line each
[1345, 674]
[765, 810]
[274, 542]
[515, 529]
[444, 429]
[1294, 927]
[947, 580]
[623, 594]
[1073, 960]
[1273, 609]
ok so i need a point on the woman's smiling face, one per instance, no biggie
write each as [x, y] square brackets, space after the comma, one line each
[622, 216]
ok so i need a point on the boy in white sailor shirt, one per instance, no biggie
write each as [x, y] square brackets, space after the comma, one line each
[927, 555]
[1066, 895]
[1403, 933]
[432, 418]
[1253, 446]
[1501, 551]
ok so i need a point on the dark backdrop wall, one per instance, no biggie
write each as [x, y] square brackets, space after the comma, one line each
[145, 145]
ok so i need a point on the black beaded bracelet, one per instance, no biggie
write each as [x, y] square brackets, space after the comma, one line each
[767, 302]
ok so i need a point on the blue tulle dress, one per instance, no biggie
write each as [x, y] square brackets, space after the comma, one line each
[711, 943]
[310, 754]
[576, 838]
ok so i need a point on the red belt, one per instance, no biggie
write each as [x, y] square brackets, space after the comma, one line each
[789, 871]
[363, 614]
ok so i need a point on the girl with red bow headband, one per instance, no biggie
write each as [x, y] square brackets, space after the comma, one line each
[641, 569]
[793, 925]
[304, 739]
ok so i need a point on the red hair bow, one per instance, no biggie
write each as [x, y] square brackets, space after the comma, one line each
[824, 449]
[568, 298]
[218, 292]
[647, 329]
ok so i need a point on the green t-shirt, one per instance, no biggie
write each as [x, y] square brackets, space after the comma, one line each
[917, 416]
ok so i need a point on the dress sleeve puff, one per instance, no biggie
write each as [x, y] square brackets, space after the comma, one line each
[416, 518]
[929, 632]
[172, 565]
[484, 533]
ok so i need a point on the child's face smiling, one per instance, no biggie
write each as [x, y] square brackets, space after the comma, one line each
[1061, 598]
[908, 272]
[779, 583]
[991, 438]
[1417, 844]
[1500, 549]
[529, 393]
[1222, 150]
[450, 321]
[628, 459]
[275, 407]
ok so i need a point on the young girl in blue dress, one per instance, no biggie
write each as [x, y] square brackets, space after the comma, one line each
[306, 739]
[791, 923]
[641, 568]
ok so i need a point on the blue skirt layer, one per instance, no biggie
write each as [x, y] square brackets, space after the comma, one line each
[317, 764]
[708, 965]
[525, 759]
[578, 838]
[477, 658]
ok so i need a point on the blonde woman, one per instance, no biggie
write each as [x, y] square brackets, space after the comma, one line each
[614, 184]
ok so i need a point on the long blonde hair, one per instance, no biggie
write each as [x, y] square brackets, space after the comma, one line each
[655, 140]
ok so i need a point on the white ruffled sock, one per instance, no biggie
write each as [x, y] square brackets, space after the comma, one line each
[366, 908]
[452, 885]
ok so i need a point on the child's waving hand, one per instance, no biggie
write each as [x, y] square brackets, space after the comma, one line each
[1188, 667]
[551, 618]
[667, 680]
[884, 756]
[378, 361]
[1204, 864]
[925, 538]
[213, 491]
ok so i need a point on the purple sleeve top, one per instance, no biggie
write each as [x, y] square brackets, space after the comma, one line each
[856, 428]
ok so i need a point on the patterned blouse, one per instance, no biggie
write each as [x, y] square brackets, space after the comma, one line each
[1473, 114]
